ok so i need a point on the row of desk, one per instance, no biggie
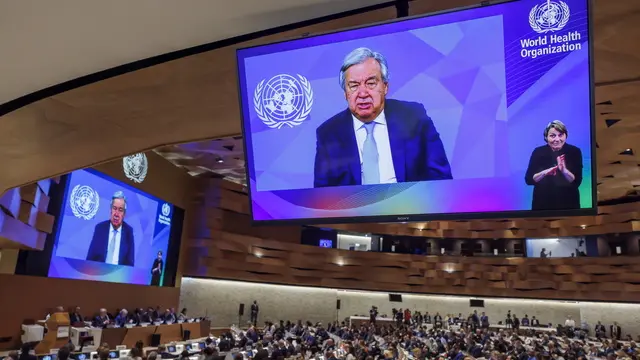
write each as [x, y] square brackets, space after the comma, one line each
[127, 336]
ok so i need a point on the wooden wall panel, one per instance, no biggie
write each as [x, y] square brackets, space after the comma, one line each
[30, 297]
[227, 251]
[24, 221]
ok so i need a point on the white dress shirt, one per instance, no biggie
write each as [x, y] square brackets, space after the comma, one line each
[115, 258]
[570, 323]
[381, 136]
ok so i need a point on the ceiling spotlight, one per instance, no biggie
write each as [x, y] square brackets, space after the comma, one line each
[583, 226]
[220, 161]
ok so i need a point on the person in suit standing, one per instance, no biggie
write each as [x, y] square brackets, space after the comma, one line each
[616, 331]
[255, 309]
[484, 321]
[600, 330]
[113, 241]
[156, 270]
[373, 315]
[376, 140]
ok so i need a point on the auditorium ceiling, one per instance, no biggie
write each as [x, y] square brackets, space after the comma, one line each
[45, 47]
[191, 99]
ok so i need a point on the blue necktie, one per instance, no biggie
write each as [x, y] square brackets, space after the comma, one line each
[111, 247]
[370, 168]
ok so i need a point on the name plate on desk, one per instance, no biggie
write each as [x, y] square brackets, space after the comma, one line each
[63, 332]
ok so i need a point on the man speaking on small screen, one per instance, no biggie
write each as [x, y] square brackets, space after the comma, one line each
[113, 241]
[376, 140]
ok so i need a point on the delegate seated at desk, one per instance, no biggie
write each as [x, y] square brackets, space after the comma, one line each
[102, 319]
[122, 319]
[75, 317]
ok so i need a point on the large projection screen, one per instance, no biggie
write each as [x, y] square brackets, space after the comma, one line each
[480, 112]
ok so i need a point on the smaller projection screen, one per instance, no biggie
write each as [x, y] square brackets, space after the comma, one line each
[110, 231]
[473, 113]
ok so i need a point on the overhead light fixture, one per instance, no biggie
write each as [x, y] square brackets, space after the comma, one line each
[583, 226]
[220, 160]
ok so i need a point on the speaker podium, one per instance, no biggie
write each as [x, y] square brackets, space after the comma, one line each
[58, 331]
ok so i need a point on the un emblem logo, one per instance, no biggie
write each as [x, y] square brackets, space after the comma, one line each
[283, 100]
[550, 16]
[135, 167]
[166, 209]
[84, 202]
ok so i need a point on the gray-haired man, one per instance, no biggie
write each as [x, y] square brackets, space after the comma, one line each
[376, 140]
[113, 241]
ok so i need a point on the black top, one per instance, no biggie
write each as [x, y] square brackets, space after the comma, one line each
[554, 192]
[156, 263]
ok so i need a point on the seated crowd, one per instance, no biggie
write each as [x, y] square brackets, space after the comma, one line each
[122, 317]
[416, 336]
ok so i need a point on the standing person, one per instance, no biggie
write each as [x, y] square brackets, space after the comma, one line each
[484, 320]
[399, 316]
[156, 270]
[373, 314]
[255, 309]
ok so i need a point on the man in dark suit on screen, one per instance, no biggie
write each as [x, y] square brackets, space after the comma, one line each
[113, 241]
[376, 140]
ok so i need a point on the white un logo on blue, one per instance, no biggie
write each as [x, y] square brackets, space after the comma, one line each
[283, 100]
[84, 202]
[549, 16]
[166, 209]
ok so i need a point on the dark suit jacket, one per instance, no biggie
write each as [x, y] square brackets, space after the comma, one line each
[100, 242]
[98, 321]
[618, 335]
[261, 355]
[416, 148]
[75, 318]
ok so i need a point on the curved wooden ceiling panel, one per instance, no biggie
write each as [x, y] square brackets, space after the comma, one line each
[62, 41]
[195, 98]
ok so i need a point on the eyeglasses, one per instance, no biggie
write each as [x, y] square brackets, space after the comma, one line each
[370, 84]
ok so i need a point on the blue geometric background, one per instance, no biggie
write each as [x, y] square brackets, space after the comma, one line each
[464, 95]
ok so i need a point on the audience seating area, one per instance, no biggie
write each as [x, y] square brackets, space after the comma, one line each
[401, 335]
